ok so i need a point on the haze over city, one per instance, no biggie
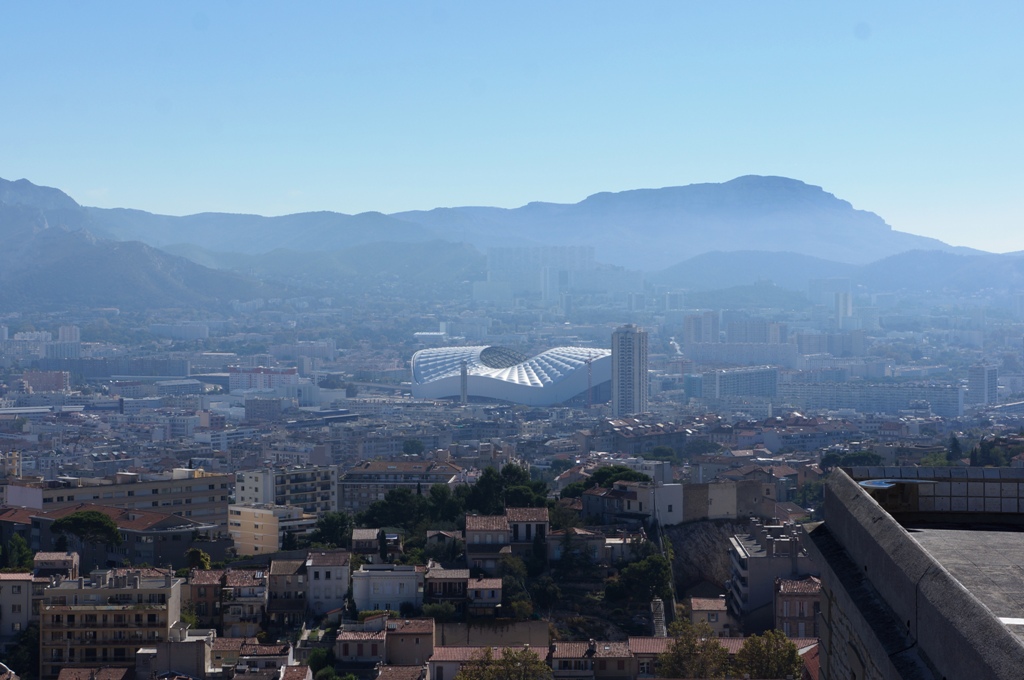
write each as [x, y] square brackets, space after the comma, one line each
[910, 111]
[567, 341]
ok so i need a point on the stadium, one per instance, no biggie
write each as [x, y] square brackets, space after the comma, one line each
[562, 375]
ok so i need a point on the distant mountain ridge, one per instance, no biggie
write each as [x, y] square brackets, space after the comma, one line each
[646, 229]
[52, 259]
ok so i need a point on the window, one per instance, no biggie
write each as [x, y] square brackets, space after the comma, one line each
[15, 608]
[621, 664]
[16, 590]
[16, 625]
[713, 617]
[327, 575]
[670, 508]
[316, 575]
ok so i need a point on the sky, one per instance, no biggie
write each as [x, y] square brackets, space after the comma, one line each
[911, 110]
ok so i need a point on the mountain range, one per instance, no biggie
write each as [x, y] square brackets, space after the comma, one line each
[701, 236]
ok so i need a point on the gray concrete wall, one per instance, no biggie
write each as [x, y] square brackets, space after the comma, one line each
[953, 634]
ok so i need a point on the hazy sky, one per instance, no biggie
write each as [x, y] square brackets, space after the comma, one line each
[912, 110]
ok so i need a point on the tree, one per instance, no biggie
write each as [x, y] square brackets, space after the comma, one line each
[512, 664]
[412, 447]
[955, 452]
[23, 656]
[333, 529]
[648, 578]
[91, 527]
[18, 555]
[197, 559]
[693, 653]
[320, 658]
[772, 655]
[607, 476]
[442, 612]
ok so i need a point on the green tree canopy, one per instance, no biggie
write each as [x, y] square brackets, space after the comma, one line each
[769, 656]
[197, 559]
[333, 528]
[513, 664]
[91, 527]
[648, 578]
[412, 447]
[693, 653]
[606, 476]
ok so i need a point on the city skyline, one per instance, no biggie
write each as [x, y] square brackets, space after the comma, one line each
[907, 111]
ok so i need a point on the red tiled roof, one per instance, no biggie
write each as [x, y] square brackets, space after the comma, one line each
[211, 577]
[97, 673]
[295, 673]
[125, 518]
[263, 650]
[236, 578]
[526, 514]
[360, 635]
[399, 673]
[579, 650]
[649, 645]
[704, 604]
[486, 523]
[328, 558]
[809, 586]
[470, 653]
[228, 644]
[411, 626]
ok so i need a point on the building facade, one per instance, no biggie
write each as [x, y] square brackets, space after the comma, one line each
[629, 371]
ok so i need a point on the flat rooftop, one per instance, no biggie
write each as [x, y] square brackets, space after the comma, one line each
[988, 562]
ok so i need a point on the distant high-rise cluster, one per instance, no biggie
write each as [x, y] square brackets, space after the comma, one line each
[629, 370]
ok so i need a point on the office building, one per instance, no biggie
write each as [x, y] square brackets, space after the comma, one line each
[629, 371]
[982, 384]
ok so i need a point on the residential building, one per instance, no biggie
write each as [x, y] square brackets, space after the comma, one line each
[483, 596]
[370, 481]
[982, 384]
[147, 537]
[327, 576]
[797, 605]
[713, 611]
[593, 659]
[409, 642]
[196, 494]
[313, 489]
[757, 559]
[15, 606]
[260, 378]
[445, 585]
[487, 541]
[527, 525]
[260, 529]
[104, 620]
[286, 593]
[388, 586]
[205, 593]
[244, 602]
[635, 503]
[629, 371]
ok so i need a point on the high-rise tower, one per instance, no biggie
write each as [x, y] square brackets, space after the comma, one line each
[629, 370]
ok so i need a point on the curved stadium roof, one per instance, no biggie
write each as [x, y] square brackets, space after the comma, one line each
[551, 377]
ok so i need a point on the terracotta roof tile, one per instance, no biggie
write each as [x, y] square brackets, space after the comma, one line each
[526, 514]
[486, 523]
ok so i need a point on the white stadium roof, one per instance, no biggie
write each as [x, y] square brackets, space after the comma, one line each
[551, 377]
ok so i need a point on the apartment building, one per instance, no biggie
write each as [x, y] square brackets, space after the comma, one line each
[766, 553]
[105, 619]
[147, 537]
[370, 481]
[312, 488]
[388, 586]
[15, 606]
[327, 576]
[261, 529]
[197, 494]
